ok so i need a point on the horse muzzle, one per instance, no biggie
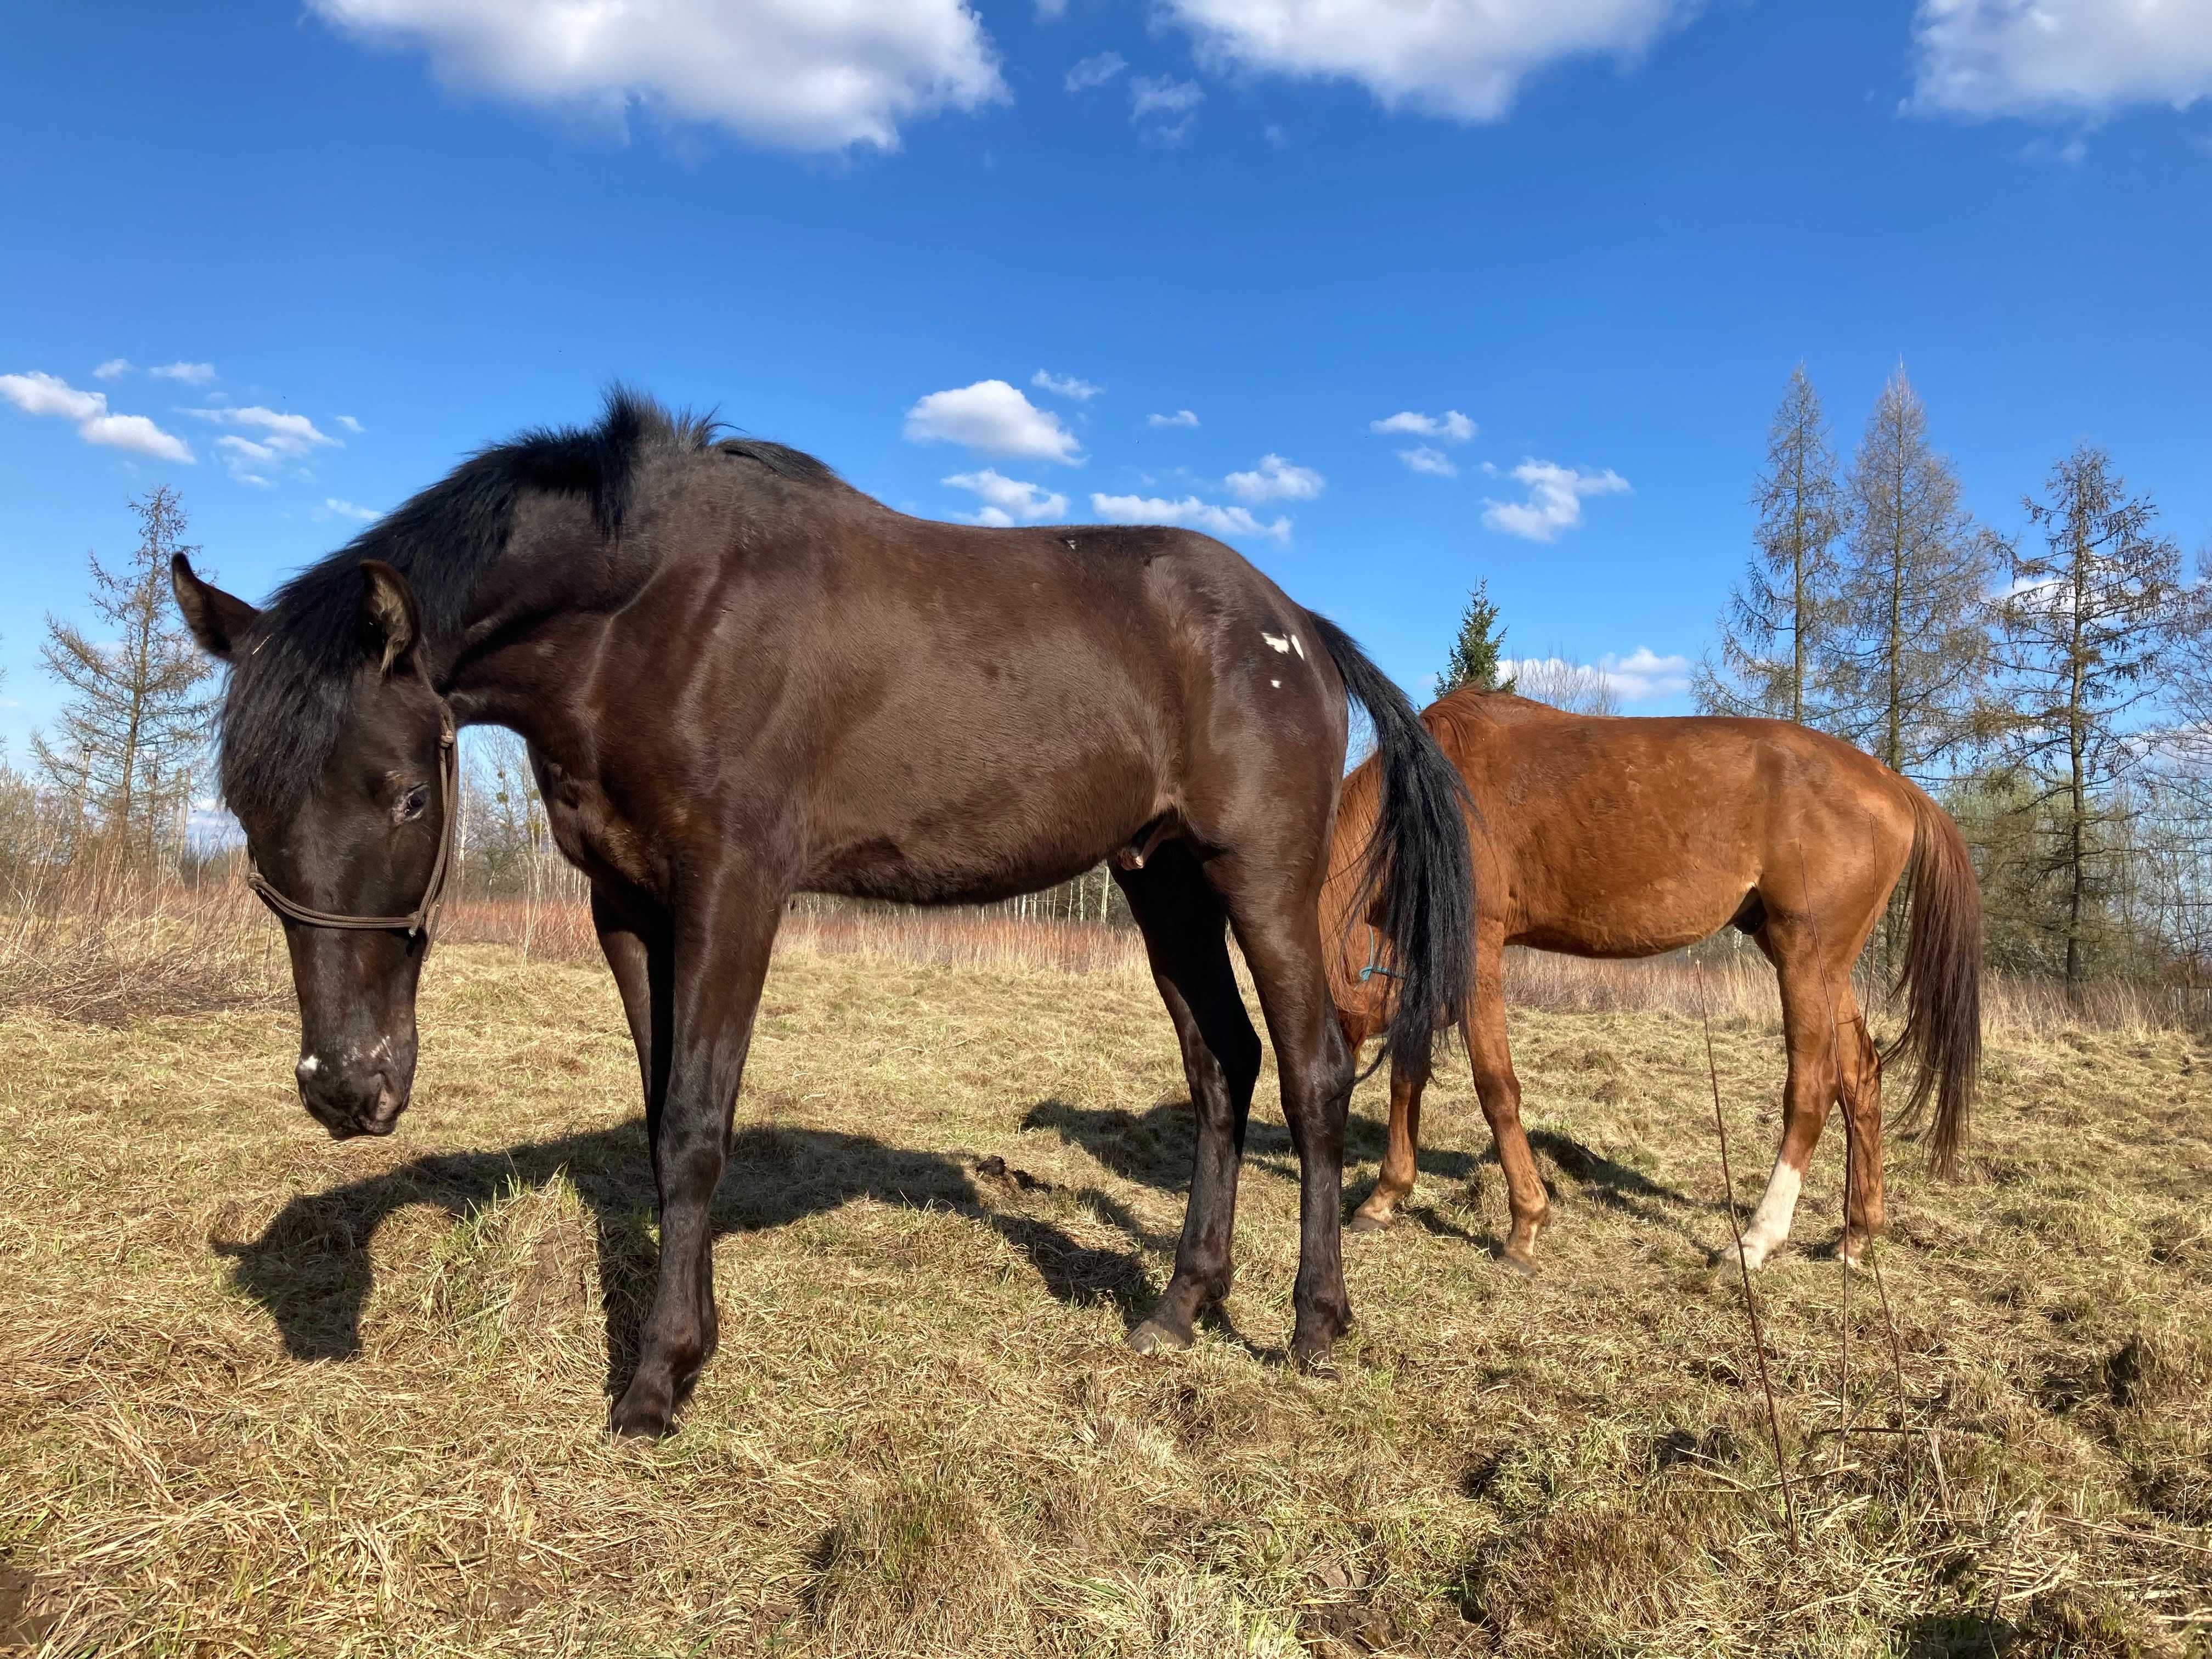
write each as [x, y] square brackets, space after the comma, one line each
[354, 1100]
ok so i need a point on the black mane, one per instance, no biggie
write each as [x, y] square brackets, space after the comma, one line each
[293, 675]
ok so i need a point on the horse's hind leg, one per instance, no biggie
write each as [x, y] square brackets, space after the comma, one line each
[1409, 1076]
[1186, 937]
[1863, 1217]
[1499, 1090]
[1273, 906]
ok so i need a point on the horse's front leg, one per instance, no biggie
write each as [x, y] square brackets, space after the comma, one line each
[718, 959]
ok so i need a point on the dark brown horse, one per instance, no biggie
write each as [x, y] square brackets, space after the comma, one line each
[738, 678]
[1607, 837]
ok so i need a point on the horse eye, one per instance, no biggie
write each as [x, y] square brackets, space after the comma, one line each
[412, 803]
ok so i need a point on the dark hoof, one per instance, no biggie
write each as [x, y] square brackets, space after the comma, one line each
[1318, 1364]
[1362, 1222]
[1152, 1337]
[1525, 1266]
[642, 1413]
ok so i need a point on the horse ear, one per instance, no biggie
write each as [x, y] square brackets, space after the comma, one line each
[218, 620]
[388, 610]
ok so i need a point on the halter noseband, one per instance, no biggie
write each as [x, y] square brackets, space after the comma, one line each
[423, 917]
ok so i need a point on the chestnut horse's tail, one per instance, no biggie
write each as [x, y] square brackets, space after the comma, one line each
[1942, 981]
[1417, 876]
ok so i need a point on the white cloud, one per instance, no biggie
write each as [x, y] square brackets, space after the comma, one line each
[1009, 501]
[351, 425]
[1275, 479]
[1640, 677]
[1096, 71]
[1065, 385]
[1451, 426]
[992, 418]
[787, 72]
[1554, 503]
[189, 374]
[249, 463]
[1214, 519]
[45, 394]
[343, 509]
[113, 368]
[292, 437]
[1461, 58]
[2060, 58]
[1434, 462]
[1181, 418]
[1157, 100]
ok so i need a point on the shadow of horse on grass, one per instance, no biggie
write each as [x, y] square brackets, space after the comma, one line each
[311, 1269]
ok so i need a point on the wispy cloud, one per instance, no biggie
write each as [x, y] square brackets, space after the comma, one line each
[1096, 71]
[1162, 108]
[1214, 519]
[1181, 418]
[187, 373]
[1275, 479]
[1009, 500]
[1640, 677]
[1065, 385]
[1423, 459]
[113, 369]
[345, 509]
[1553, 505]
[36, 393]
[1451, 427]
[279, 437]
[351, 425]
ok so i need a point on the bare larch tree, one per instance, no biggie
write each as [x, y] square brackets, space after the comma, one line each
[1910, 650]
[1780, 613]
[2087, 629]
[127, 740]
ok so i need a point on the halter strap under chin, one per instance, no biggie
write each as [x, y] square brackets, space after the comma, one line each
[424, 917]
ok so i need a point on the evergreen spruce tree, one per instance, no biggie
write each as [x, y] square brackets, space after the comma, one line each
[1474, 655]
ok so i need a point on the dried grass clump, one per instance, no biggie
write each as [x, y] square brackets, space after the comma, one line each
[263, 1392]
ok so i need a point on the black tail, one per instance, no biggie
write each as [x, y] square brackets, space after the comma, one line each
[1417, 882]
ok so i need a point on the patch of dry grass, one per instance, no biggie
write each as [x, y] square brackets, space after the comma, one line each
[263, 1392]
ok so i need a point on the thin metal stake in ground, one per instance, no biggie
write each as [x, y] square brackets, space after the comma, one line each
[1750, 1302]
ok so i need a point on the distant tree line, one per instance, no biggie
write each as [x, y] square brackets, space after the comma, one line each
[2053, 688]
[2049, 687]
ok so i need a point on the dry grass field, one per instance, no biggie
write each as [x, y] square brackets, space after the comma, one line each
[263, 1393]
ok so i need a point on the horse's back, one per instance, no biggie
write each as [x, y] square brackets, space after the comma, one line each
[1630, 835]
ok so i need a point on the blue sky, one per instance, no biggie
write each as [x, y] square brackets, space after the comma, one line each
[1578, 243]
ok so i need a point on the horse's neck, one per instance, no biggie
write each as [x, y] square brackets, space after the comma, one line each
[522, 659]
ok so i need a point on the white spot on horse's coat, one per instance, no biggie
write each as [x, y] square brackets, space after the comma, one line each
[309, 1065]
[1281, 642]
[1770, 1222]
[1278, 684]
[1296, 646]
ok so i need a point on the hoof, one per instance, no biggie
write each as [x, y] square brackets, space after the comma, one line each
[1516, 1262]
[1317, 1363]
[1362, 1222]
[1152, 1337]
[642, 1413]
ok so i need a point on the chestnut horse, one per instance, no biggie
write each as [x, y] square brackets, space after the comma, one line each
[1612, 837]
[740, 678]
